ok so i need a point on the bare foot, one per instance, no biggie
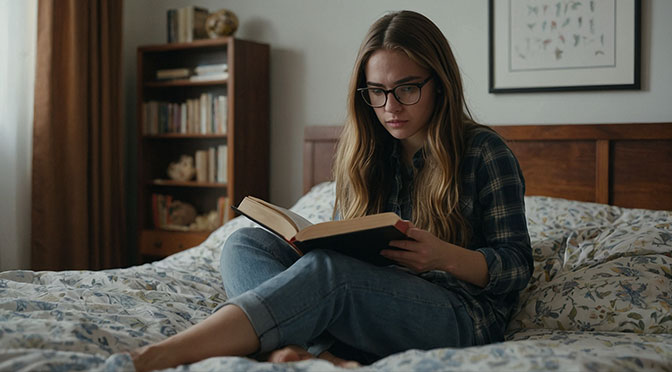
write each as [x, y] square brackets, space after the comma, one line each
[149, 358]
[294, 353]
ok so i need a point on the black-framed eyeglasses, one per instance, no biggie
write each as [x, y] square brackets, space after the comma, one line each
[406, 94]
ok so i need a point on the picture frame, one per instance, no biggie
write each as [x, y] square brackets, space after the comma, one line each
[564, 45]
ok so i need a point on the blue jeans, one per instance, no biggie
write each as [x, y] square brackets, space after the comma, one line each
[296, 300]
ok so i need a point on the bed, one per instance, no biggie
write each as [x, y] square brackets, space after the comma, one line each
[599, 213]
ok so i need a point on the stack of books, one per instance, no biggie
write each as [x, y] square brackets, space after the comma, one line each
[173, 73]
[211, 72]
[187, 24]
[211, 164]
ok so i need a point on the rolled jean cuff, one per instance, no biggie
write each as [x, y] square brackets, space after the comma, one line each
[261, 319]
[320, 345]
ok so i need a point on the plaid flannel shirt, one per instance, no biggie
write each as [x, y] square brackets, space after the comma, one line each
[491, 199]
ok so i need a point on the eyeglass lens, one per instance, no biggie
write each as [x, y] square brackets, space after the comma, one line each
[405, 94]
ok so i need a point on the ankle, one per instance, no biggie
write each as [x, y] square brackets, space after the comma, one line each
[153, 357]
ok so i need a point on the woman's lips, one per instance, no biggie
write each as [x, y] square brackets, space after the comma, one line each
[396, 123]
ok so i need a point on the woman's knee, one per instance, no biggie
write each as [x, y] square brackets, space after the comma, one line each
[246, 243]
[239, 240]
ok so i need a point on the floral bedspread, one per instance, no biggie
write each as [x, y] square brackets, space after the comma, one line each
[600, 299]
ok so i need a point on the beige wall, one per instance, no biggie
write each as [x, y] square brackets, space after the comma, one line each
[313, 47]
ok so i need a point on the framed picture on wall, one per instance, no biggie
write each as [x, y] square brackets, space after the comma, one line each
[564, 45]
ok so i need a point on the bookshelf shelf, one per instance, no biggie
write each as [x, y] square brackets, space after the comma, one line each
[183, 83]
[180, 136]
[241, 135]
[171, 183]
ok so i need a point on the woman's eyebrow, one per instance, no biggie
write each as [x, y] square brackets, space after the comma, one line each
[400, 81]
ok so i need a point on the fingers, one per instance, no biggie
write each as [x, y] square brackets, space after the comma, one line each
[419, 234]
[402, 244]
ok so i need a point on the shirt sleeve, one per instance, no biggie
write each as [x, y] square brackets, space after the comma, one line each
[500, 194]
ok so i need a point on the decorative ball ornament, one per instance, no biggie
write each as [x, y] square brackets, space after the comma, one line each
[221, 23]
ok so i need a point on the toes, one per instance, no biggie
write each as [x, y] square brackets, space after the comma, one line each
[348, 364]
[289, 354]
[283, 356]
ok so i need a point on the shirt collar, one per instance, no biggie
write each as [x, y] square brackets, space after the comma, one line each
[418, 157]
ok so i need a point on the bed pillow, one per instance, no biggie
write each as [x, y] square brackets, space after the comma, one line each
[317, 205]
[597, 268]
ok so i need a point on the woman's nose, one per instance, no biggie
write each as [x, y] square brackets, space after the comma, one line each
[392, 105]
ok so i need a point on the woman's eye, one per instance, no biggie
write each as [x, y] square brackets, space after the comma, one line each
[375, 91]
[406, 88]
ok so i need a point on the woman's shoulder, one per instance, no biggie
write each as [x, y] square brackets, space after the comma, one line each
[480, 137]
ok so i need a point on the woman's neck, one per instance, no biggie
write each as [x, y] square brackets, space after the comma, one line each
[408, 149]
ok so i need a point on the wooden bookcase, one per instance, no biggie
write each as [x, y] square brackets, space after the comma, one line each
[247, 133]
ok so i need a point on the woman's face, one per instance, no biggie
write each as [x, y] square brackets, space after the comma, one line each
[387, 69]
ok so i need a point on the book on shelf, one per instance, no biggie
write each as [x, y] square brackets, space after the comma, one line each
[210, 77]
[223, 210]
[361, 237]
[211, 164]
[211, 69]
[222, 158]
[201, 165]
[186, 24]
[173, 73]
[161, 210]
[206, 114]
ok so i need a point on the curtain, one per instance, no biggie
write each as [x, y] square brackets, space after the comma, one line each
[77, 216]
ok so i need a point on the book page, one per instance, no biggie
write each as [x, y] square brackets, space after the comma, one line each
[298, 222]
[328, 228]
[268, 217]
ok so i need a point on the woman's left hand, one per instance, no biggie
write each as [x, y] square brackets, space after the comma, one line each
[422, 252]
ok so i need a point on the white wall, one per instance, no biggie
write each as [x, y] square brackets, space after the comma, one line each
[313, 48]
[18, 21]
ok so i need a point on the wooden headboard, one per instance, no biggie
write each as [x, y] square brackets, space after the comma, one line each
[628, 165]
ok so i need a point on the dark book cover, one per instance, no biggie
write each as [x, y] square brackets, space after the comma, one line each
[364, 245]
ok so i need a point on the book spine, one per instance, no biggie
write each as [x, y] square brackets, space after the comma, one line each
[155, 210]
[169, 201]
[212, 165]
[180, 25]
[201, 166]
[208, 113]
[222, 163]
[222, 210]
[169, 21]
[211, 69]
[200, 15]
[203, 114]
[223, 111]
[189, 24]
[183, 118]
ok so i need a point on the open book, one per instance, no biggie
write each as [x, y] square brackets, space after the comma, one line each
[362, 237]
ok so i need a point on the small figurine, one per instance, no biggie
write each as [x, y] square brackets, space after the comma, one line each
[181, 213]
[221, 23]
[183, 170]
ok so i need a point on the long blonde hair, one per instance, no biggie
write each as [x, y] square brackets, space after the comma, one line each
[361, 168]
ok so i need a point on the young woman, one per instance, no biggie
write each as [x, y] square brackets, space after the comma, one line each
[409, 146]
